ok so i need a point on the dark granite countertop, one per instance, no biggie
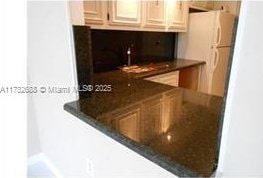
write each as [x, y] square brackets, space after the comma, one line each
[173, 127]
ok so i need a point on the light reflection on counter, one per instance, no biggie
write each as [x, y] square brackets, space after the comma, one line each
[156, 116]
[180, 124]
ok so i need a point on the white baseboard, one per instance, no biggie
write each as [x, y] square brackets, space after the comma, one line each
[41, 157]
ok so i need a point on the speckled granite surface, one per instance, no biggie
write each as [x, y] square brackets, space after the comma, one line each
[173, 127]
[172, 66]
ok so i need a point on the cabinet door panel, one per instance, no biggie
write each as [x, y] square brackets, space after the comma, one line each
[189, 78]
[171, 78]
[177, 15]
[94, 12]
[123, 12]
[155, 14]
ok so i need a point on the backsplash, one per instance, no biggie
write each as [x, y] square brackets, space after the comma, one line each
[82, 41]
[109, 48]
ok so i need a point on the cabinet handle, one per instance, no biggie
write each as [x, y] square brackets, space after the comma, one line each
[108, 16]
[216, 59]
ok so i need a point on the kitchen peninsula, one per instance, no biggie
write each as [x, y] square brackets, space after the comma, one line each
[173, 127]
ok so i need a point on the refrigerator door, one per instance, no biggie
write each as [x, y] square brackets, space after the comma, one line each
[224, 29]
[218, 71]
[197, 42]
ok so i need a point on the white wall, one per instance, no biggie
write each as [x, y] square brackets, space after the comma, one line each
[64, 139]
[242, 142]
[33, 144]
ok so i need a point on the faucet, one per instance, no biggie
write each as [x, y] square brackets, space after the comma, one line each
[129, 56]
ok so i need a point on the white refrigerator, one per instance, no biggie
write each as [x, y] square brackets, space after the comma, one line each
[208, 39]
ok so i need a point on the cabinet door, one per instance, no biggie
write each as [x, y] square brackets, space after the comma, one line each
[177, 15]
[189, 78]
[171, 78]
[155, 14]
[123, 12]
[94, 12]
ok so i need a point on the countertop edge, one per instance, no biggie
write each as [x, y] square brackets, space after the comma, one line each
[144, 151]
[167, 70]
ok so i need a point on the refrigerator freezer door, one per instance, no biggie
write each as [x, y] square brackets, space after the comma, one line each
[218, 71]
[224, 29]
[196, 43]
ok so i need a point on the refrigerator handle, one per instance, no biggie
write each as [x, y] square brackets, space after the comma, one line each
[218, 36]
[216, 59]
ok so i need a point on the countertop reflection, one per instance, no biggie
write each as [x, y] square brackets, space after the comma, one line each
[174, 127]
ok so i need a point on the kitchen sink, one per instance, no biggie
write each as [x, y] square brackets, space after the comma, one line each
[143, 68]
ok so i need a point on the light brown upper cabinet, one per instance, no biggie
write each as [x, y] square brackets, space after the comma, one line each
[177, 15]
[123, 12]
[154, 14]
[159, 15]
[95, 12]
